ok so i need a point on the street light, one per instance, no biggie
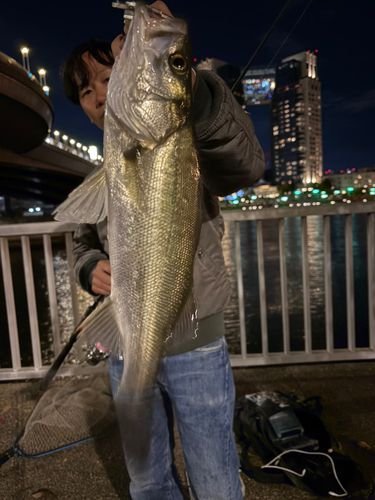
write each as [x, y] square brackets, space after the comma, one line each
[72, 142]
[93, 152]
[84, 148]
[56, 133]
[64, 138]
[46, 89]
[42, 77]
[25, 59]
[79, 145]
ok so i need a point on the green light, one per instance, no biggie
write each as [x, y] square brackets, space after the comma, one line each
[235, 202]
[336, 191]
[350, 189]
[316, 191]
[284, 198]
[297, 192]
[254, 197]
[324, 195]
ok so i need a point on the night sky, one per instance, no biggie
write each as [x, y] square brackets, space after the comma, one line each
[341, 30]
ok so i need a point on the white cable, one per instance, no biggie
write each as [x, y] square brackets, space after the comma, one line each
[332, 493]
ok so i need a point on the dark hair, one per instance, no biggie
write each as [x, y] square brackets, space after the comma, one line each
[74, 67]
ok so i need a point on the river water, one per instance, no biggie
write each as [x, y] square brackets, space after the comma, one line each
[251, 286]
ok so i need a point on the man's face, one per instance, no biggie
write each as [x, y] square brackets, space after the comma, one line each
[92, 97]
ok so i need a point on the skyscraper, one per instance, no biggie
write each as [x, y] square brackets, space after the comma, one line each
[296, 121]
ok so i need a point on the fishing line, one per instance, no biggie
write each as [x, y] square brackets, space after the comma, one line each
[268, 34]
[286, 39]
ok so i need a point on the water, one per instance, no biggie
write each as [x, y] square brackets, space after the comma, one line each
[249, 259]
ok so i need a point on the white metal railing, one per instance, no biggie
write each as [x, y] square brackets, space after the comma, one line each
[24, 232]
[308, 355]
[48, 229]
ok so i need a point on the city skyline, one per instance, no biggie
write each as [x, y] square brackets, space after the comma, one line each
[347, 102]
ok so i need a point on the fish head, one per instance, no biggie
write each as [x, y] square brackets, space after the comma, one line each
[149, 92]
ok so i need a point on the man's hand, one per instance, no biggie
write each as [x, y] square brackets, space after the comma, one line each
[119, 41]
[101, 278]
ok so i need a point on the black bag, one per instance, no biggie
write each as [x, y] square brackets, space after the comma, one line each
[294, 446]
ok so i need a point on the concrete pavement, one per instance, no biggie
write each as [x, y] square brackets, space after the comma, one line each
[96, 470]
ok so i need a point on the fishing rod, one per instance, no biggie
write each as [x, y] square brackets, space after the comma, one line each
[47, 379]
[266, 37]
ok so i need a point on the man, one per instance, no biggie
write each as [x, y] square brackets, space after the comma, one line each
[194, 377]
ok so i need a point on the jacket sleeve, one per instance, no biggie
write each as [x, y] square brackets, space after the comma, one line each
[88, 251]
[229, 153]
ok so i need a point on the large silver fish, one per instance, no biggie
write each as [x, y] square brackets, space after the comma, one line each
[149, 189]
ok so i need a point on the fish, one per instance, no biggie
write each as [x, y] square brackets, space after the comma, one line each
[150, 189]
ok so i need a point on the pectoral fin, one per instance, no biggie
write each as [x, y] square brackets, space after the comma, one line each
[88, 203]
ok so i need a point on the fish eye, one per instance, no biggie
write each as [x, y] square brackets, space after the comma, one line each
[178, 62]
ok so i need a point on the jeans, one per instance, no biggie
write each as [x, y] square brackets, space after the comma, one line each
[199, 386]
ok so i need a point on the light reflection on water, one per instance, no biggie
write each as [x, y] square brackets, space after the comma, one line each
[249, 259]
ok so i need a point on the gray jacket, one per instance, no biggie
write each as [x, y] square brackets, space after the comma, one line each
[230, 158]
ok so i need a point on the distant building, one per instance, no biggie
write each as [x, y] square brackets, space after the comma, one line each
[362, 178]
[258, 86]
[296, 121]
[266, 191]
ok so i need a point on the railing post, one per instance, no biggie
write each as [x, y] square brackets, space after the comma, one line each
[241, 299]
[350, 281]
[306, 286]
[262, 289]
[10, 305]
[328, 282]
[284, 287]
[371, 277]
[31, 302]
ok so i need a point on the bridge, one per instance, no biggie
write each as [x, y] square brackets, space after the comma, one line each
[33, 165]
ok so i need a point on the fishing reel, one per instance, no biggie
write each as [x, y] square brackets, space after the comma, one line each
[94, 354]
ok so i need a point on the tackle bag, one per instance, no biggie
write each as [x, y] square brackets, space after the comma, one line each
[284, 441]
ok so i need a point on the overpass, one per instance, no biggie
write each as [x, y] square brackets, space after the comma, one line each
[32, 164]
